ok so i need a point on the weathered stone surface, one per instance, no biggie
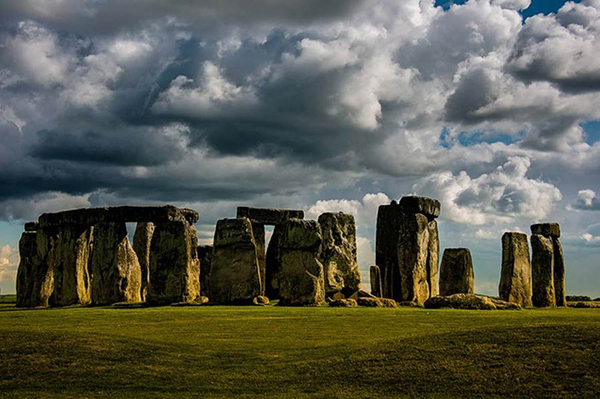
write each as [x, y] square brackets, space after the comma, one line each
[370, 302]
[272, 266]
[118, 214]
[375, 273]
[31, 226]
[334, 280]
[427, 206]
[43, 273]
[515, 279]
[258, 231]
[261, 300]
[115, 270]
[389, 219]
[235, 274]
[28, 254]
[456, 272]
[469, 301]
[546, 229]
[433, 257]
[301, 280]
[268, 216]
[339, 249]
[560, 292]
[174, 265]
[413, 249]
[388, 303]
[71, 273]
[343, 303]
[205, 255]
[141, 245]
[542, 267]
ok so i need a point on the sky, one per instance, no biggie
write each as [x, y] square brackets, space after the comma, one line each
[491, 106]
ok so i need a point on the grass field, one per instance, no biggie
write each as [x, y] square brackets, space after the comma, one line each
[298, 352]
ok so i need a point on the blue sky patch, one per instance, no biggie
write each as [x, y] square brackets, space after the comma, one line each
[592, 131]
[536, 7]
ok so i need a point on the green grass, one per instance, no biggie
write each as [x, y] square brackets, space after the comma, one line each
[8, 299]
[298, 352]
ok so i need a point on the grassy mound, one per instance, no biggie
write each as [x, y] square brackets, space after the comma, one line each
[297, 352]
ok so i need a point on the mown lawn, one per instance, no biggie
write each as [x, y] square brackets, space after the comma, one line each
[298, 352]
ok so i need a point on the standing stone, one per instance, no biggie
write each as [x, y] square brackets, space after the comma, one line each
[114, 266]
[338, 254]
[433, 257]
[375, 281]
[456, 272]
[301, 280]
[71, 273]
[174, 265]
[141, 245]
[235, 270]
[205, 254]
[272, 266]
[27, 265]
[258, 230]
[515, 279]
[560, 292]
[413, 249]
[389, 219]
[542, 265]
[43, 273]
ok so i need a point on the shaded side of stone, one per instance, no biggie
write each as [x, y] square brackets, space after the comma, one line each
[43, 274]
[433, 257]
[115, 269]
[560, 292]
[389, 219]
[375, 274]
[301, 275]
[174, 264]
[515, 278]
[141, 245]
[71, 274]
[542, 268]
[413, 249]
[456, 272]
[546, 229]
[28, 255]
[427, 206]
[272, 266]
[205, 255]
[338, 254]
[235, 270]
[31, 226]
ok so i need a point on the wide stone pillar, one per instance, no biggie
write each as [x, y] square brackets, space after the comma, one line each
[456, 272]
[338, 254]
[114, 266]
[141, 245]
[375, 274]
[515, 279]
[71, 274]
[301, 277]
[542, 265]
[235, 270]
[174, 265]
[205, 255]
[26, 272]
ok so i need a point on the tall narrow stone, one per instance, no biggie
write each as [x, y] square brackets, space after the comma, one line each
[456, 272]
[301, 277]
[542, 265]
[235, 270]
[515, 279]
[26, 272]
[141, 245]
[375, 274]
[43, 275]
[338, 254]
[71, 273]
[272, 266]
[433, 257]
[258, 230]
[114, 266]
[205, 254]
[174, 265]
[560, 292]
[413, 249]
[389, 219]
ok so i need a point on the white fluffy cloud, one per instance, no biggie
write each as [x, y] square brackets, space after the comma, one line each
[586, 201]
[9, 262]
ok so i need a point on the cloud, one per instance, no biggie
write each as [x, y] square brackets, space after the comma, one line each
[365, 210]
[586, 201]
[590, 239]
[502, 196]
[9, 262]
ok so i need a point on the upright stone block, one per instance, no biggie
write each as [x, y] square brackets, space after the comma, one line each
[433, 257]
[235, 270]
[205, 254]
[273, 266]
[560, 292]
[456, 272]
[115, 269]
[28, 254]
[375, 274]
[174, 265]
[389, 220]
[413, 249]
[542, 265]
[258, 230]
[71, 273]
[338, 254]
[141, 245]
[301, 277]
[515, 279]
[43, 274]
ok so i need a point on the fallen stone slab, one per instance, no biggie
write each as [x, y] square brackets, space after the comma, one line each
[469, 301]
[261, 300]
[343, 303]
[268, 216]
[546, 229]
[370, 302]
